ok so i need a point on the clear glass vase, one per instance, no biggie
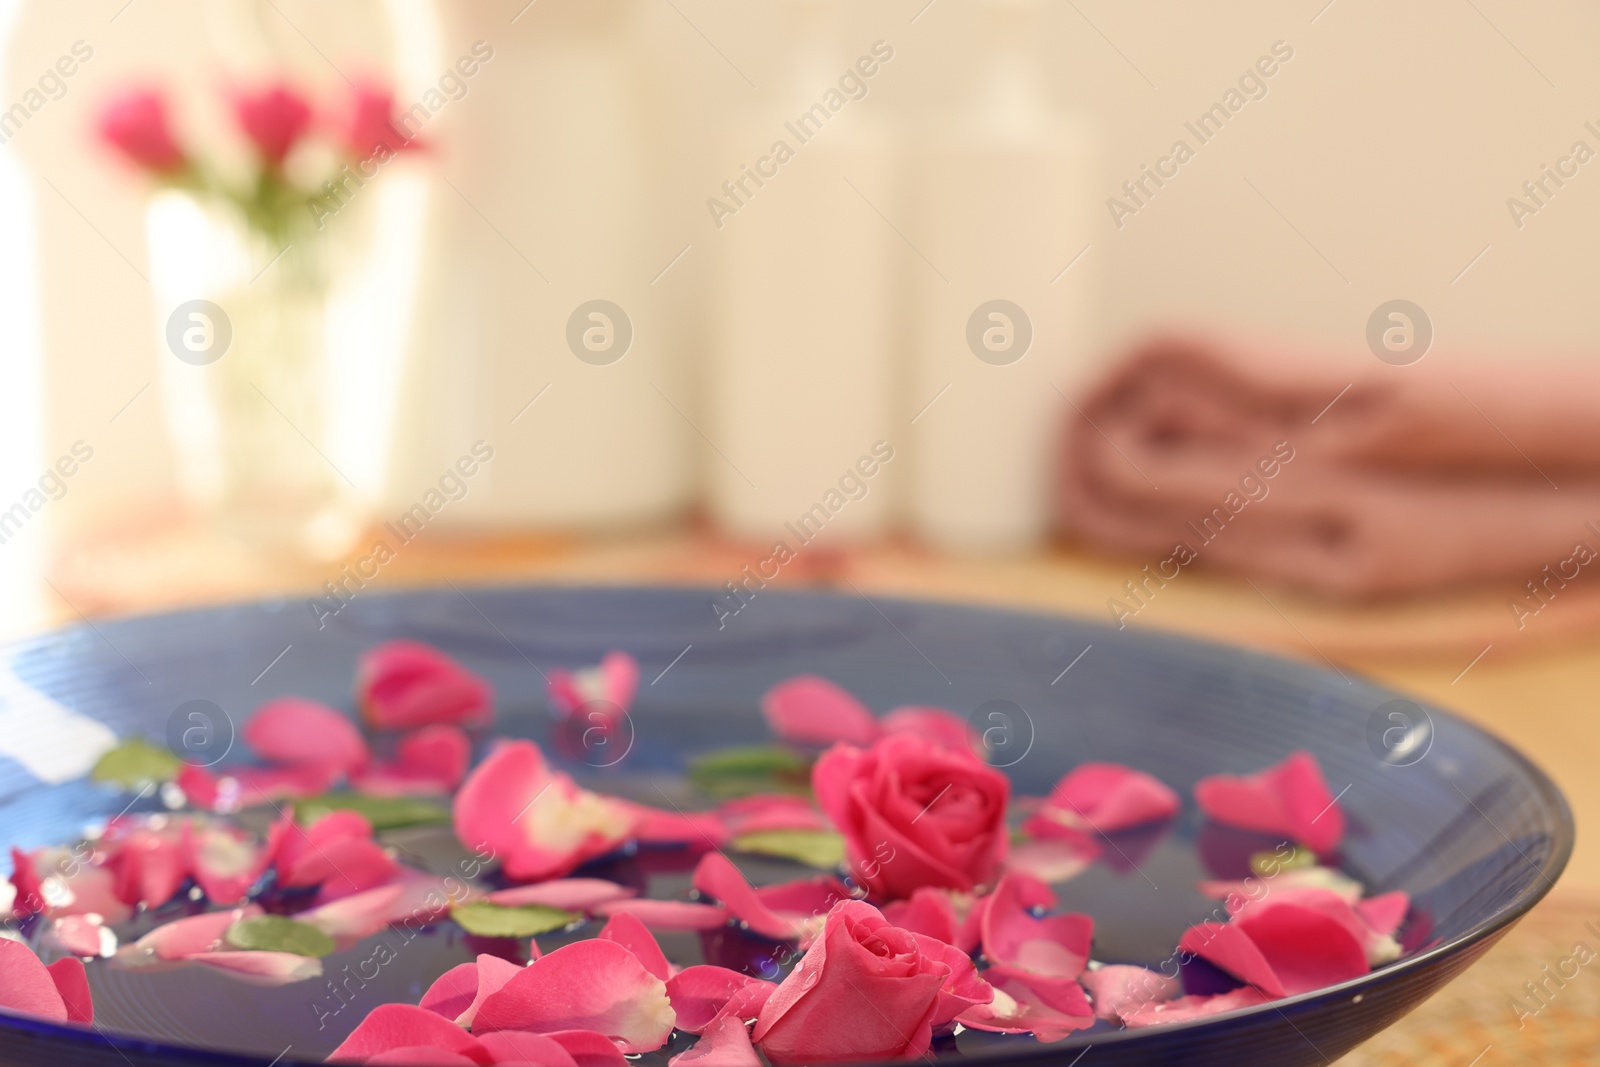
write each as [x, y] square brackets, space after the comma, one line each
[245, 373]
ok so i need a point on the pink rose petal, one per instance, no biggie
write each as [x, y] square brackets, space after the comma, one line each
[1185, 1008]
[702, 992]
[929, 911]
[540, 823]
[568, 894]
[25, 879]
[191, 936]
[1056, 859]
[804, 901]
[200, 787]
[72, 982]
[299, 732]
[453, 992]
[426, 897]
[1379, 947]
[226, 862]
[1290, 798]
[336, 852]
[632, 934]
[431, 761]
[1239, 894]
[59, 882]
[357, 915]
[1282, 950]
[1050, 1011]
[1053, 948]
[695, 829]
[814, 710]
[779, 912]
[588, 1048]
[406, 684]
[80, 935]
[1031, 893]
[615, 681]
[963, 988]
[524, 1046]
[673, 915]
[419, 1056]
[493, 974]
[590, 985]
[150, 865]
[748, 815]
[269, 968]
[1104, 798]
[1118, 989]
[248, 787]
[726, 1043]
[1385, 912]
[944, 728]
[26, 985]
[440, 751]
[396, 1026]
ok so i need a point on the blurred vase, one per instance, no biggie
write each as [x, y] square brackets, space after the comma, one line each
[248, 389]
[1004, 207]
[540, 334]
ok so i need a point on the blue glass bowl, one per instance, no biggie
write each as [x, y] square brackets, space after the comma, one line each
[1472, 830]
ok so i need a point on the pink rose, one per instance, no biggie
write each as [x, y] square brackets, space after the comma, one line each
[367, 125]
[273, 118]
[866, 990]
[915, 814]
[135, 124]
[406, 684]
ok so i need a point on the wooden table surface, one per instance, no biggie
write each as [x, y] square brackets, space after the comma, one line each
[1535, 685]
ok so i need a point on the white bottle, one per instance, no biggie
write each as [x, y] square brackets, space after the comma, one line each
[541, 337]
[1003, 205]
[800, 383]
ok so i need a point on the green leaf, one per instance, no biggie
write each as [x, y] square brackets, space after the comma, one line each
[735, 772]
[496, 920]
[384, 813]
[136, 763]
[278, 933]
[814, 848]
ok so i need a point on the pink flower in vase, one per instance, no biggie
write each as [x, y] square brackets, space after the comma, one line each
[274, 118]
[135, 123]
[367, 125]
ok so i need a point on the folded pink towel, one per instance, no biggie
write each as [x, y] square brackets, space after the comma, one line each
[1343, 475]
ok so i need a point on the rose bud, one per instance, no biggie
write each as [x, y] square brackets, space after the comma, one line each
[915, 814]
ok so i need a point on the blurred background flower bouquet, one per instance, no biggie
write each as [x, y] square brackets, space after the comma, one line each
[244, 247]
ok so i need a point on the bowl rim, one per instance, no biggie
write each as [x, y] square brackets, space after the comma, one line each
[1548, 874]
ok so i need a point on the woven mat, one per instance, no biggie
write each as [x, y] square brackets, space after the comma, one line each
[1473, 1023]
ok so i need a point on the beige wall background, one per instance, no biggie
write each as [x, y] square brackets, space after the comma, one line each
[1378, 165]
